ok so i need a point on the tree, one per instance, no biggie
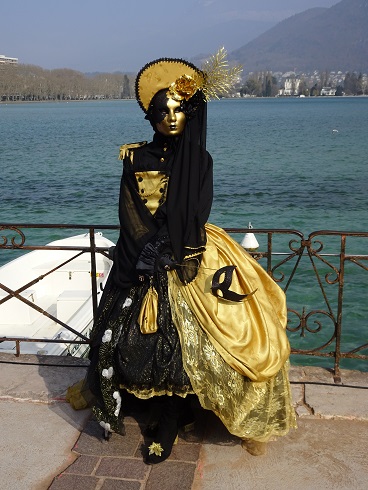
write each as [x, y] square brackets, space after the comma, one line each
[125, 94]
[293, 85]
[303, 87]
[325, 79]
[314, 90]
[268, 90]
[353, 84]
[252, 86]
[339, 91]
[359, 87]
[28, 82]
[270, 86]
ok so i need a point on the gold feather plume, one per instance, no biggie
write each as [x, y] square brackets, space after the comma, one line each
[218, 77]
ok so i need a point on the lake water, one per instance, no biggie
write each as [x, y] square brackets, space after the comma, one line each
[278, 163]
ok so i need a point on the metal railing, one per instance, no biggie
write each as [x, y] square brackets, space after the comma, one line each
[323, 276]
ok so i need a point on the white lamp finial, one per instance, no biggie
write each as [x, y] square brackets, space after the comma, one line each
[249, 241]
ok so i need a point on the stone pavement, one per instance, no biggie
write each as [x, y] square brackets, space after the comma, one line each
[45, 444]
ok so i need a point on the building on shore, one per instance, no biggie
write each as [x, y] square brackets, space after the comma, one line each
[290, 86]
[9, 61]
[330, 91]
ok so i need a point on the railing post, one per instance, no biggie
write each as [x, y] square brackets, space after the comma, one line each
[93, 271]
[269, 253]
[337, 373]
[17, 348]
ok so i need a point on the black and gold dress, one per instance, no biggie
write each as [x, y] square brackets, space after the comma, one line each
[162, 330]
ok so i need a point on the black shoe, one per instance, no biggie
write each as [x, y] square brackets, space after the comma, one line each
[159, 451]
[165, 436]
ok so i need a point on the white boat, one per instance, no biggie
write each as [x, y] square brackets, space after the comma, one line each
[66, 294]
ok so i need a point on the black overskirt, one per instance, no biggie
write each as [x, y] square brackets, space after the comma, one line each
[143, 364]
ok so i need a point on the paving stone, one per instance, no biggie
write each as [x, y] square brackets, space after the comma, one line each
[84, 465]
[296, 373]
[35, 442]
[170, 475]
[186, 452]
[322, 453]
[302, 411]
[74, 482]
[297, 393]
[337, 401]
[354, 378]
[110, 484]
[130, 469]
[317, 375]
[319, 455]
[91, 441]
[39, 383]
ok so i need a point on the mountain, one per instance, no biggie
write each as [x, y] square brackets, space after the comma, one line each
[232, 33]
[334, 38]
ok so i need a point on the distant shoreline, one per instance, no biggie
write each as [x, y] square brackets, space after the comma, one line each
[12, 102]
[5, 102]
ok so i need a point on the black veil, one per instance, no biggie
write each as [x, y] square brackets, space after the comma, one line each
[187, 206]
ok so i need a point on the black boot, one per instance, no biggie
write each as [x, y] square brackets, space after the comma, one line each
[167, 431]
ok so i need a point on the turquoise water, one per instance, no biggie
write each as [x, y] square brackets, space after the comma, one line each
[289, 168]
[279, 163]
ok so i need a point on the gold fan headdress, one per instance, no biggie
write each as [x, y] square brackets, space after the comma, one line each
[183, 79]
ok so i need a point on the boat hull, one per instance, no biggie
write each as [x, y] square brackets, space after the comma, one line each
[52, 301]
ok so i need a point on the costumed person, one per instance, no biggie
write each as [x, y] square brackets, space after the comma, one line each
[186, 309]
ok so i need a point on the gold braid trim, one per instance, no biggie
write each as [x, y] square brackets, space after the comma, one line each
[126, 150]
[194, 254]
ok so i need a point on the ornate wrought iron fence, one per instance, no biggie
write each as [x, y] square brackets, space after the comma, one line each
[323, 276]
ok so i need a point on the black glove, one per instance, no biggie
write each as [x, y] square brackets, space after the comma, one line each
[155, 256]
[166, 263]
[147, 260]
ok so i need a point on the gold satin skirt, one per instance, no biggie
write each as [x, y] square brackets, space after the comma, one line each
[235, 353]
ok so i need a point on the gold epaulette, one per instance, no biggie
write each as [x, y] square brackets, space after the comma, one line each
[125, 150]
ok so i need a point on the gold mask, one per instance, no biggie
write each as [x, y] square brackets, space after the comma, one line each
[174, 119]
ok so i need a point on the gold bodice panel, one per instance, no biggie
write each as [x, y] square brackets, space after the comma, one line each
[152, 188]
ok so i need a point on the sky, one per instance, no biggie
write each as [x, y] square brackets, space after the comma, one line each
[123, 35]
